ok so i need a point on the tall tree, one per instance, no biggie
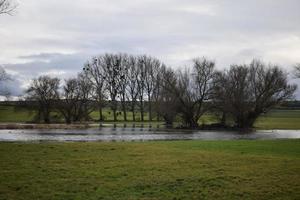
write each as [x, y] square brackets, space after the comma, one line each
[124, 81]
[132, 88]
[44, 90]
[96, 74]
[167, 101]
[86, 94]
[112, 69]
[141, 83]
[151, 68]
[247, 91]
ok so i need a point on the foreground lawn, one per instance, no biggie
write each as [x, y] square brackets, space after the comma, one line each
[151, 170]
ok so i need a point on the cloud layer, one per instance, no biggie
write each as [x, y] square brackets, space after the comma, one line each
[57, 37]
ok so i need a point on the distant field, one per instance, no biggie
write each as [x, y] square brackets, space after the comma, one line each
[151, 170]
[280, 119]
[275, 119]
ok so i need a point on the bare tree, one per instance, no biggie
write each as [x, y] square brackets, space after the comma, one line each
[112, 69]
[141, 83]
[44, 91]
[160, 74]
[132, 88]
[247, 91]
[167, 101]
[7, 7]
[68, 104]
[86, 93]
[193, 90]
[95, 71]
[125, 65]
[151, 68]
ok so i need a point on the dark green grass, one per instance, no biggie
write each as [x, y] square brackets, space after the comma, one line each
[151, 170]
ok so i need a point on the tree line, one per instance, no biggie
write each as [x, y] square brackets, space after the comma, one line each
[143, 84]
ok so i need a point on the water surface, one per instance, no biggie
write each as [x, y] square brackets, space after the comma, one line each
[139, 134]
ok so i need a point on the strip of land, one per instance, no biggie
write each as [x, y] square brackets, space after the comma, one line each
[13, 117]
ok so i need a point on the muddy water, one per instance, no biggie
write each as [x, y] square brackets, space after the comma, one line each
[139, 134]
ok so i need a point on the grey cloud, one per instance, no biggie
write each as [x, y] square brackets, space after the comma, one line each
[58, 38]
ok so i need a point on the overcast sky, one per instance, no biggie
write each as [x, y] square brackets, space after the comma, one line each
[57, 37]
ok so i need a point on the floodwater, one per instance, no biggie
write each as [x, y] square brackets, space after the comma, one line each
[140, 134]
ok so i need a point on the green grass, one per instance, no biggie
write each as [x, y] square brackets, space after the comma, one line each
[15, 114]
[279, 119]
[151, 170]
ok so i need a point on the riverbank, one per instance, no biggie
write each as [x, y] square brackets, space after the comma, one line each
[151, 170]
[12, 126]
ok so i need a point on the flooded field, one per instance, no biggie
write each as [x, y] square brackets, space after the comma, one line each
[139, 134]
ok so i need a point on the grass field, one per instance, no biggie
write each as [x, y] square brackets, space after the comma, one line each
[275, 119]
[151, 170]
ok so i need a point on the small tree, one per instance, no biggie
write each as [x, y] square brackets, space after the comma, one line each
[112, 69]
[124, 81]
[247, 91]
[44, 91]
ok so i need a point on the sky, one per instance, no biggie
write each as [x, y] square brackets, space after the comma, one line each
[57, 37]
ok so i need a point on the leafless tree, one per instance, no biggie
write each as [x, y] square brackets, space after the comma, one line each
[151, 68]
[132, 88]
[69, 102]
[44, 91]
[160, 74]
[141, 83]
[193, 90]
[86, 93]
[112, 68]
[247, 91]
[7, 7]
[124, 81]
[95, 71]
[167, 102]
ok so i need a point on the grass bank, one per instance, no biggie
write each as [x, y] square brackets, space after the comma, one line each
[151, 170]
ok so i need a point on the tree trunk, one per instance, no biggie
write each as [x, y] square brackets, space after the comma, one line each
[115, 115]
[133, 113]
[100, 113]
[124, 111]
[150, 108]
[223, 119]
[142, 110]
